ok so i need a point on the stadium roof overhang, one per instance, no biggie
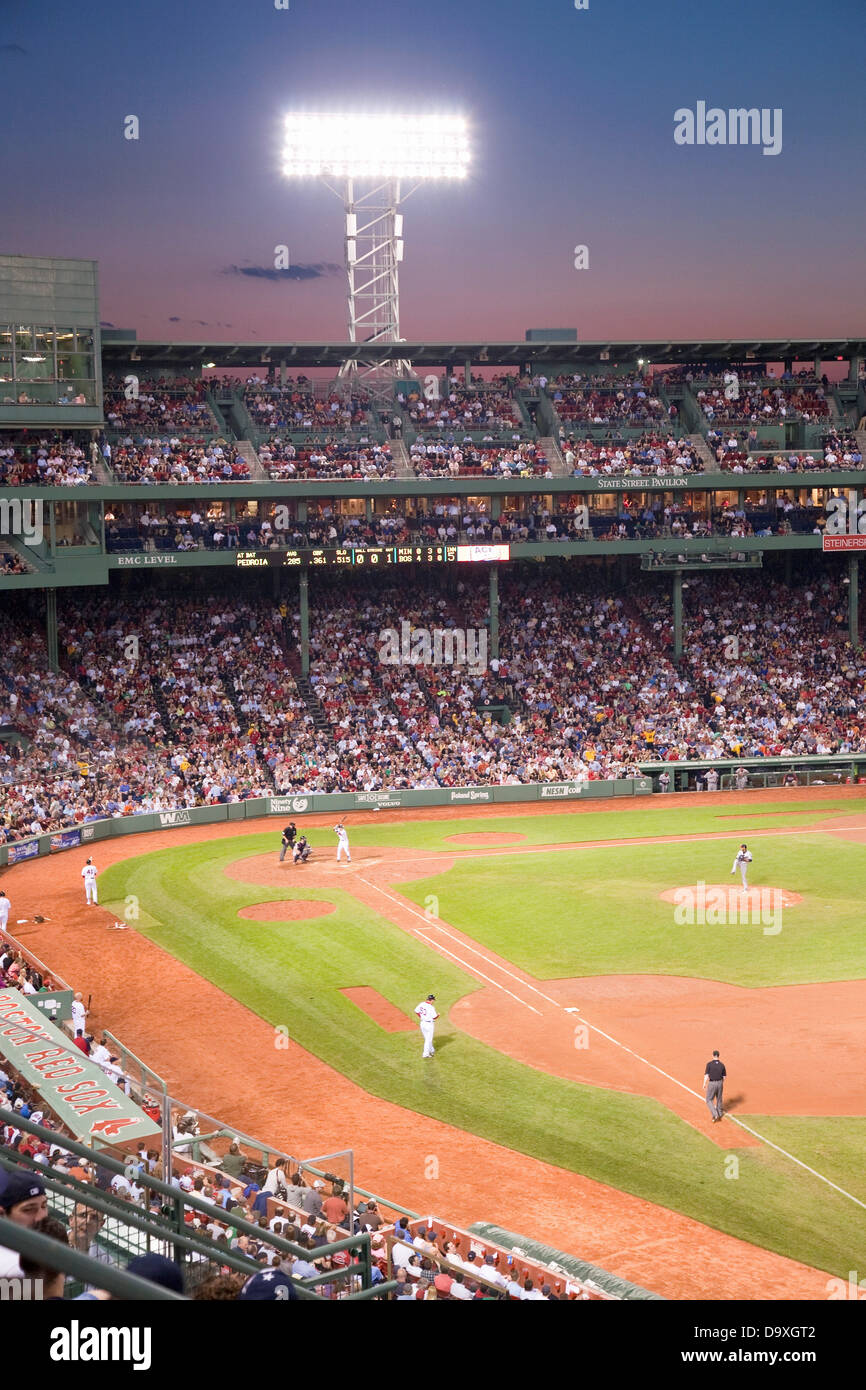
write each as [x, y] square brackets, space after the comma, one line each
[503, 354]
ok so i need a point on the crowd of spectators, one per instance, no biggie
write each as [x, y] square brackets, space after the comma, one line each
[301, 405]
[159, 406]
[738, 452]
[12, 563]
[172, 460]
[653, 455]
[52, 462]
[435, 458]
[326, 458]
[171, 703]
[579, 400]
[481, 406]
[767, 399]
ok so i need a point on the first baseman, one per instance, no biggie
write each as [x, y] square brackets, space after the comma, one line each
[743, 859]
[342, 841]
[88, 873]
[427, 1017]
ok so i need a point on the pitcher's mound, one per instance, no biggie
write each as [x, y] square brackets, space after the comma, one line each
[296, 910]
[712, 895]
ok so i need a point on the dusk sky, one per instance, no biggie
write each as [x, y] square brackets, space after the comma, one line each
[572, 130]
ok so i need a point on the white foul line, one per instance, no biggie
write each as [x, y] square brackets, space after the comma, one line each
[434, 922]
[474, 969]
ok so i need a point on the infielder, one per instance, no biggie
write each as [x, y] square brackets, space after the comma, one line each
[427, 1017]
[743, 859]
[5, 905]
[88, 873]
[342, 842]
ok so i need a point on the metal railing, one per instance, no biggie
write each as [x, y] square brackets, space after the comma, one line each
[138, 1229]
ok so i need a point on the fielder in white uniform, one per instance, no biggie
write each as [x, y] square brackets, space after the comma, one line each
[5, 906]
[342, 842]
[427, 1016]
[88, 873]
[743, 859]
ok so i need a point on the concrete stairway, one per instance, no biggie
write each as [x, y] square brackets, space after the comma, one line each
[246, 450]
[704, 453]
[552, 452]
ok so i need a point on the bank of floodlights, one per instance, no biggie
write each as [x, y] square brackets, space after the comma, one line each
[365, 160]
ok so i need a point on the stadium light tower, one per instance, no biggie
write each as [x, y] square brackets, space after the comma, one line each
[367, 161]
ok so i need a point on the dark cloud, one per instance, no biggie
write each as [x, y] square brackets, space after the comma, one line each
[317, 270]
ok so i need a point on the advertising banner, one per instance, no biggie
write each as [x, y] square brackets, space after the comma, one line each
[66, 839]
[25, 849]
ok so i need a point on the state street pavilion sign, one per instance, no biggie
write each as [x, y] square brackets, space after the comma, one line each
[92, 1107]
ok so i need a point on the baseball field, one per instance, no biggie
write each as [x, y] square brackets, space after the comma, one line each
[584, 967]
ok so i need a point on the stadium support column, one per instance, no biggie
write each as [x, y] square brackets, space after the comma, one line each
[494, 613]
[854, 599]
[305, 622]
[51, 628]
[678, 616]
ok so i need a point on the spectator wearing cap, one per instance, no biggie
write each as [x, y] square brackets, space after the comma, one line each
[157, 1269]
[442, 1283]
[310, 1198]
[22, 1201]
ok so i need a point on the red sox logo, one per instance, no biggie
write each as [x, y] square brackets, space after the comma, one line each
[110, 1127]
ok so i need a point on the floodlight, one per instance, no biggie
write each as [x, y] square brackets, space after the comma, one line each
[383, 146]
[376, 150]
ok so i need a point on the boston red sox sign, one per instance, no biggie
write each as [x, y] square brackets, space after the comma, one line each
[94, 1108]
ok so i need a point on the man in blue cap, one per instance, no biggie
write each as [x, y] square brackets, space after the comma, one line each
[22, 1201]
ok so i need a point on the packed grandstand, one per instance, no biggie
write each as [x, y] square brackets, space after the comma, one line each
[189, 681]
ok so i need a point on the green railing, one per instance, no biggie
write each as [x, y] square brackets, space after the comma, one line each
[138, 1230]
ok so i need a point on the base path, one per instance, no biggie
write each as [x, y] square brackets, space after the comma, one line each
[220, 1057]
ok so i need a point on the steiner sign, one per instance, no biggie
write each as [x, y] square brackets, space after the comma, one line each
[843, 542]
[74, 1088]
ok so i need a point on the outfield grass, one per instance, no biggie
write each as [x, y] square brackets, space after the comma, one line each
[579, 912]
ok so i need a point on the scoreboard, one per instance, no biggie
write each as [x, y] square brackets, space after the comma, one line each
[371, 556]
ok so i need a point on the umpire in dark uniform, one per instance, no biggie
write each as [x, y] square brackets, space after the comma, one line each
[714, 1081]
[290, 834]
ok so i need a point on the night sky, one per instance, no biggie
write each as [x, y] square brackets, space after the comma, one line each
[572, 121]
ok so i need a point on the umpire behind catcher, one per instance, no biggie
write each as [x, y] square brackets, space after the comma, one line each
[288, 840]
[714, 1081]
